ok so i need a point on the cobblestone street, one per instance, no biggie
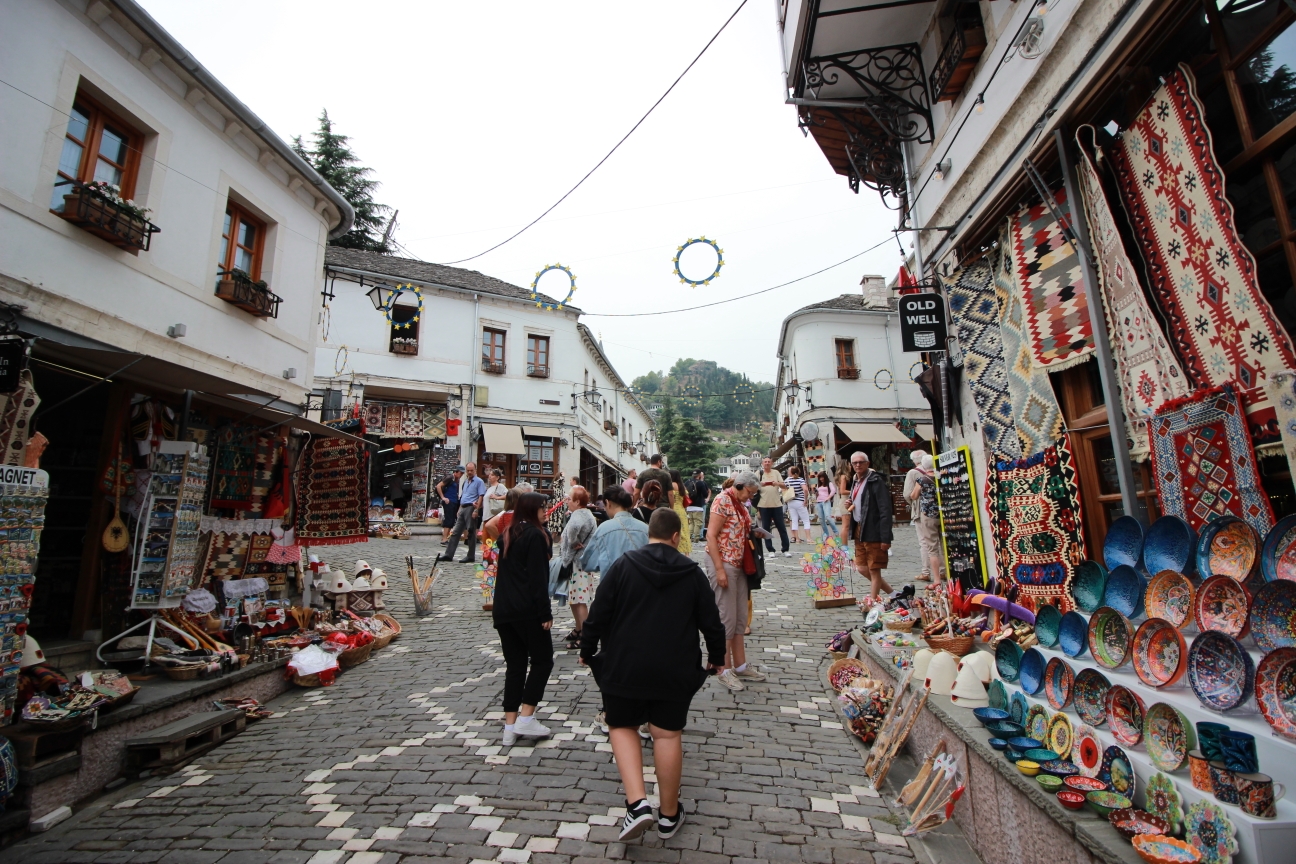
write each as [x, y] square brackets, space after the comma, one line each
[401, 759]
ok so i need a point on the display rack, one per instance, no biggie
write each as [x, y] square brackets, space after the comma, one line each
[166, 542]
[960, 514]
[23, 493]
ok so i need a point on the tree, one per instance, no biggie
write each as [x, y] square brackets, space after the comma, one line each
[667, 420]
[689, 447]
[333, 158]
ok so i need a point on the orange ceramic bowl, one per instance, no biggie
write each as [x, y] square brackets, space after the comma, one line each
[1160, 849]
[1160, 653]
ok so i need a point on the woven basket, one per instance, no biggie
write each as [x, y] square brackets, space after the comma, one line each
[902, 626]
[182, 673]
[306, 680]
[383, 639]
[846, 662]
[392, 624]
[837, 655]
[355, 656]
[956, 645]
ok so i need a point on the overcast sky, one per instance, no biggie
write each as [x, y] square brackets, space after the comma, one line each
[476, 117]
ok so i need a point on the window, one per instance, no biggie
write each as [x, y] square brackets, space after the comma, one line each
[404, 330]
[537, 356]
[846, 359]
[493, 350]
[242, 241]
[538, 467]
[96, 146]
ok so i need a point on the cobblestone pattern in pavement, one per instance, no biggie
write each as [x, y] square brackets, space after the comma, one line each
[400, 760]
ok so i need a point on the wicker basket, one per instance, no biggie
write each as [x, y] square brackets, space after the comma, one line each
[355, 656]
[392, 624]
[182, 673]
[956, 645]
[902, 626]
[383, 639]
[306, 680]
[837, 655]
[846, 662]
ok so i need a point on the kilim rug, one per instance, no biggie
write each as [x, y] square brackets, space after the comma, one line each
[234, 468]
[1149, 372]
[976, 318]
[434, 422]
[1052, 288]
[1203, 278]
[331, 486]
[1035, 507]
[1036, 414]
[15, 419]
[1281, 389]
[412, 424]
[395, 420]
[1203, 461]
[263, 476]
[374, 415]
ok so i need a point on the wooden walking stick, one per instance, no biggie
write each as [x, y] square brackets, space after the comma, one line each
[914, 787]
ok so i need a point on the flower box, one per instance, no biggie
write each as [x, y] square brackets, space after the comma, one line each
[537, 371]
[238, 288]
[494, 368]
[848, 373]
[108, 219]
[399, 347]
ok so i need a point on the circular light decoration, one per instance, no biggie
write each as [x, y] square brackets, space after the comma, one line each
[878, 379]
[340, 360]
[714, 273]
[917, 365]
[691, 396]
[754, 426]
[744, 394]
[535, 295]
[391, 304]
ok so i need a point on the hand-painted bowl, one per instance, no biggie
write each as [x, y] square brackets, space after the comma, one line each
[1006, 729]
[1170, 596]
[1048, 620]
[989, 715]
[1123, 543]
[1227, 546]
[1160, 653]
[1168, 736]
[1059, 681]
[1088, 585]
[1276, 691]
[1111, 635]
[1105, 802]
[1059, 768]
[1131, 823]
[1023, 743]
[1031, 672]
[1017, 707]
[1278, 554]
[1008, 657]
[1125, 712]
[1273, 616]
[997, 693]
[1124, 592]
[1071, 799]
[997, 743]
[1072, 634]
[1171, 544]
[1050, 782]
[1090, 696]
[1041, 755]
[1220, 671]
[1085, 784]
[1163, 849]
[1028, 767]
[1223, 604]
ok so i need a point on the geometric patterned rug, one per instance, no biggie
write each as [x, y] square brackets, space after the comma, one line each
[1203, 461]
[332, 481]
[234, 468]
[1282, 393]
[976, 320]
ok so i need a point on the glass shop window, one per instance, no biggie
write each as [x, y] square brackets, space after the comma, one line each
[539, 466]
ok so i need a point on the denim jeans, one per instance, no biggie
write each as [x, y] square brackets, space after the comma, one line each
[826, 524]
[774, 516]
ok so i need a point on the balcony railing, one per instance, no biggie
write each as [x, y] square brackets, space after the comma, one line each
[848, 372]
[492, 366]
[537, 371]
[107, 219]
[404, 345]
[254, 298]
[957, 59]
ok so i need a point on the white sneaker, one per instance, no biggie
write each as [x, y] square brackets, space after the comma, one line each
[510, 737]
[787, 554]
[730, 680]
[600, 719]
[751, 673]
[645, 733]
[530, 727]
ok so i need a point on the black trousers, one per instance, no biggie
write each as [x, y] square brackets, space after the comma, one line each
[523, 643]
[467, 521]
[773, 516]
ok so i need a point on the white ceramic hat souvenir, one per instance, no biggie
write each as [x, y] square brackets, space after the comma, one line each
[361, 584]
[968, 691]
[921, 659]
[941, 673]
[982, 662]
[32, 653]
[337, 583]
[379, 580]
[361, 567]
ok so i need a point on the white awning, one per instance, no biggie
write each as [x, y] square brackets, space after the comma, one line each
[503, 439]
[540, 431]
[927, 431]
[873, 433]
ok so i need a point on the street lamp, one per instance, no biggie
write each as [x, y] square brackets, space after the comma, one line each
[594, 396]
[792, 388]
[380, 296]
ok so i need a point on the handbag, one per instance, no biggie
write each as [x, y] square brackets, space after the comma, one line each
[788, 495]
[749, 559]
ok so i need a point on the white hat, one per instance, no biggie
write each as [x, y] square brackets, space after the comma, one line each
[337, 583]
[941, 673]
[921, 659]
[361, 584]
[379, 580]
[983, 663]
[361, 567]
[968, 691]
[31, 653]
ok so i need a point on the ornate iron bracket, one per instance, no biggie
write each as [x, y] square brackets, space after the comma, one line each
[873, 157]
[892, 82]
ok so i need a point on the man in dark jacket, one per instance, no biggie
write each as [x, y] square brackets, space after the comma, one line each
[647, 613]
[868, 523]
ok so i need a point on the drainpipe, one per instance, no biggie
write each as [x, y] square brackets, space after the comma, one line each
[472, 366]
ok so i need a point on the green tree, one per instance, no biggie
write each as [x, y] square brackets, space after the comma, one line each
[689, 447]
[332, 157]
[667, 420]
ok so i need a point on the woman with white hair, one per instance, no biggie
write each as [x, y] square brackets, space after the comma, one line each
[926, 516]
[730, 560]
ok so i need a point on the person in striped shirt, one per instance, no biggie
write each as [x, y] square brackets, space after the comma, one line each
[798, 508]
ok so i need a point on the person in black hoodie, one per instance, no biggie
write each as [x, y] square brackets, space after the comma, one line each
[641, 641]
[523, 616]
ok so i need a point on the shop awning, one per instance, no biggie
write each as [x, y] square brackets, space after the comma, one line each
[257, 412]
[503, 439]
[540, 431]
[873, 433]
[926, 431]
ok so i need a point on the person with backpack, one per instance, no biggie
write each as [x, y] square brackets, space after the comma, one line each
[698, 492]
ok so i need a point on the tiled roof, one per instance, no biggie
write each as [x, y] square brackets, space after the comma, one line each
[850, 302]
[422, 271]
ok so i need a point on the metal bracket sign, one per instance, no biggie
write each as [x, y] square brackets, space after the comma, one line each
[922, 322]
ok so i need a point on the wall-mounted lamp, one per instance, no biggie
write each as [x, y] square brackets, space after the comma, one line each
[380, 296]
[177, 331]
[943, 168]
[980, 103]
[290, 372]
[594, 396]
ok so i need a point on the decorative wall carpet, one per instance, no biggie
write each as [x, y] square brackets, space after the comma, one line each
[976, 318]
[394, 421]
[1203, 462]
[263, 475]
[234, 468]
[15, 419]
[331, 481]
[1202, 275]
[1035, 506]
[1149, 371]
[1281, 390]
[1035, 409]
[434, 422]
[375, 415]
[228, 556]
[1052, 288]
[412, 423]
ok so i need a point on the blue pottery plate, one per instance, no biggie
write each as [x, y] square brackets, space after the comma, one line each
[1220, 671]
[1123, 543]
[1059, 768]
[1275, 563]
[1023, 743]
[1008, 658]
[1117, 772]
[1273, 616]
[1125, 589]
[1088, 585]
[1171, 544]
[1041, 755]
[997, 693]
[1047, 622]
[1006, 729]
[1031, 672]
[1017, 709]
[1073, 634]
[989, 715]
[998, 743]
[1089, 696]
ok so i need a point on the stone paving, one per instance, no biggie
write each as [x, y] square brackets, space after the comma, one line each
[401, 761]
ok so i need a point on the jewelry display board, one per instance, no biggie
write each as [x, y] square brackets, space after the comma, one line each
[23, 492]
[167, 536]
[960, 516]
[416, 507]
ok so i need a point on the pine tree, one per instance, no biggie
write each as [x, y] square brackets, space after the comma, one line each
[333, 158]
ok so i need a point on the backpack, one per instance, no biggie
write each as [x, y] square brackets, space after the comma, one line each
[697, 491]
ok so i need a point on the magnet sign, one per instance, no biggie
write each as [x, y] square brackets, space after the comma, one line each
[922, 322]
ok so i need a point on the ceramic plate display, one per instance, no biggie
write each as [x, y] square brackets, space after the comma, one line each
[1160, 849]
[1050, 782]
[1276, 690]
[1031, 674]
[1117, 771]
[1207, 827]
[1008, 656]
[1060, 736]
[1037, 723]
[1058, 683]
[1168, 736]
[1017, 708]
[1162, 799]
[1059, 768]
[1160, 653]
[989, 715]
[997, 693]
[1171, 544]
[1048, 619]
[1125, 712]
[1131, 823]
[1086, 750]
[1273, 616]
[1111, 636]
[1041, 755]
[998, 744]
[1223, 605]
[1088, 584]
[1072, 634]
[1229, 547]
[1006, 729]
[1170, 596]
[1090, 696]
[1124, 591]
[1220, 671]
[1278, 555]
[1085, 784]
[1071, 799]
[1106, 802]
[1123, 543]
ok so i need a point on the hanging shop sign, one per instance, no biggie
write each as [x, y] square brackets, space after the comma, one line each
[960, 517]
[24, 492]
[922, 322]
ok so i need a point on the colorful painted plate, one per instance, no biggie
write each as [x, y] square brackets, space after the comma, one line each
[1124, 592]
[1160, 653]
[1273, 616]
[1083, 783]
[1209, 830]
[1030, 676]
[1059, 681]
[1072, 634]
[1278, 555]
[1224, 605]
[1037, 723]
[1060, 736]
[1276, 691]
[1086, 750]
[1168, 736]
[1111, 636]
[1048, 621]
[1117, 772]
[998, 695]
[1220, 671]
[1106, 802]
[1125, 712]
[1160, 849]
[1088, 584]
[1041, 755]
[1162, 799]
[1017, 709]
[1227, 546]
[1059, 768]
[1171, 544]
[1090, 696]
[1170, 596]
[1131, 823]
[1008, 657]
[1123, 543]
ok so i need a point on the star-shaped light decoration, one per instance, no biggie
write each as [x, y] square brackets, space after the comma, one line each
[684, 280]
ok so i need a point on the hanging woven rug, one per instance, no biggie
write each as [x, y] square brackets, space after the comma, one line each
[331, 505]
[976, 318]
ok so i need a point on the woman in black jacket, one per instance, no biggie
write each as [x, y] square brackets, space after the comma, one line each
[522, 617]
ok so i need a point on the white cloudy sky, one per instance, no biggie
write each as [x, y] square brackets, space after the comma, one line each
[476, 117]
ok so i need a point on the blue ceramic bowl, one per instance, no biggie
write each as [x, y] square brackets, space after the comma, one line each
[1031, 673]
[1088, 585]
[1171, 544]
[1073, 635]
[1008, 657]
[1125, 589]
[989, 715]
[1023, 743]
[1041, 755]
[1014, 755]
[1006, 729]
[1047, 621]
[1123, 543]
[998, 743]
[1275, 543]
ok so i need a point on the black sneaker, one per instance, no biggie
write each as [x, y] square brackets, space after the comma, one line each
[468, 561]
[668, 825]
[637, 819]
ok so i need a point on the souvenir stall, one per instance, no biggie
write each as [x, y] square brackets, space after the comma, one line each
[405, 434]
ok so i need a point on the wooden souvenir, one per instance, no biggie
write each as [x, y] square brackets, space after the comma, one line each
[936, 793]
[422, 587]
[906, 705]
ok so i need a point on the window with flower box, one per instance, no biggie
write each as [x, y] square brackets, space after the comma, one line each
[404, 330]
[493, 351]
[238, 278]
